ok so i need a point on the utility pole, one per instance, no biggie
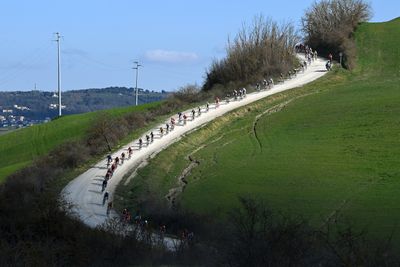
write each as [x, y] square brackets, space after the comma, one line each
[137, 73]
[58, 72]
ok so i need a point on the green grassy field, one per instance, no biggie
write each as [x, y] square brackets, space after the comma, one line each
[20, 147]
[334, 148]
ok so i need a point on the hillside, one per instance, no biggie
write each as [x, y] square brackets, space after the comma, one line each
[76, 101]
[20, 147]
[330, 148]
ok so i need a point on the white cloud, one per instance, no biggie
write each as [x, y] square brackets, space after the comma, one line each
[160, 55]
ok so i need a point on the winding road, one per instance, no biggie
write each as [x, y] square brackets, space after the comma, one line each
[84, 192]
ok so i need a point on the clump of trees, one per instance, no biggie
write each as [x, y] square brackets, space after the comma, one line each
[263, 49]
[256, 236]
[329, 25]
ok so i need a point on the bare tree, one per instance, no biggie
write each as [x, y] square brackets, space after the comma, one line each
[328, 25]
[262, 49]
[188, 93]
[106, 129]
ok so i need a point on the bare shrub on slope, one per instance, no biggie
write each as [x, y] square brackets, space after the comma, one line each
[263, 49]
[329, 25]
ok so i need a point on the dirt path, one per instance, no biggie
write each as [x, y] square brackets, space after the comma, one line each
[84, 192]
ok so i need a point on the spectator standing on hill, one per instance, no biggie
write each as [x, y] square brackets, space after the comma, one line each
[330, 57]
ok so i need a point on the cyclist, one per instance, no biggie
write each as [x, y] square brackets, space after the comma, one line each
[180, 116]
[140, 143]
[216, 101]
[172, 123]
[109, 207]
[104, 185]
[184, 119]
[105, 197]
[109, 159]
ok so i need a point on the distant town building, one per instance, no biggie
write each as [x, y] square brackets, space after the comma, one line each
[55, 106]
[21, 107]
[7, 111]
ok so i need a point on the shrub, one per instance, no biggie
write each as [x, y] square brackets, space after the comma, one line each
[329, 25]
[263, 49]
[188, 94]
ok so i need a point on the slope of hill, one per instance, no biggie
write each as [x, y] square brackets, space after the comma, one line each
[76, 101]
[329, 148]
[20, 147]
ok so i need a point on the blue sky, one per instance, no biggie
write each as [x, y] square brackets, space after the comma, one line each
[175, 40]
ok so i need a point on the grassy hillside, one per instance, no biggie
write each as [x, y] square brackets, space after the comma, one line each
[19, 148]
[327, 148]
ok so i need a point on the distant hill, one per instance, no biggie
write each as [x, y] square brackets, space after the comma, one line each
[38, 103]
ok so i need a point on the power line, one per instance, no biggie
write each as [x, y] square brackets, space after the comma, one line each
[25, 64]
[89, 59]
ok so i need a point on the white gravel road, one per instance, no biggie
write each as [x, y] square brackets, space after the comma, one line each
[84, 192]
